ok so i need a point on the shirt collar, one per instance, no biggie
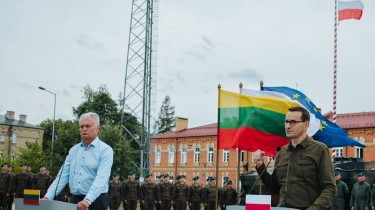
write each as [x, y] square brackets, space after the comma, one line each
[302, 144]
[93, 143]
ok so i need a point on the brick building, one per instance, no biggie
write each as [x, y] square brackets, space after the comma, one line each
[193, 151]
[15, 133]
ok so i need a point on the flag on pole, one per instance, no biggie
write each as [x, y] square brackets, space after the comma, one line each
[251, 122]
[328, 133]
[350, 10]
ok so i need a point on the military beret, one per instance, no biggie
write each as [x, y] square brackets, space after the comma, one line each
[130, 173]
[147, 175]
[195, 177]
[115, 173]
[337, 173]
[166, 175]
[161, 176]
[208, 178]
[361, 173]
[229, 182]
[178, 177]
[183, 176]
[24, 164]
[42, 165]
[212, 179]
[5, 164]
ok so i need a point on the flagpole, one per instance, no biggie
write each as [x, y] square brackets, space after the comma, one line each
[334, 74]
[217, 141]
[335, 66]
[238, 157]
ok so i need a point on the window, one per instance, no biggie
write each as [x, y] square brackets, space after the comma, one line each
[242, 156]
[210, 154]
[224, 179]
[183, 154]
[2, 137]
[358, 152]
[157, 155]
[171, 154]
[225, 155]
[338, 151]
[14, 138]
[12, 157]
[197, 153]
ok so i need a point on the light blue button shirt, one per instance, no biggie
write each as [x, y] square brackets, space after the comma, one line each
[87, 170]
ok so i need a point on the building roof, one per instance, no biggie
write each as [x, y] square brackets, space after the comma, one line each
[205, 130]
[354, 120]
[18, 123]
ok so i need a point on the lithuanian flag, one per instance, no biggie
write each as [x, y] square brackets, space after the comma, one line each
[31, 197]
[251, 122]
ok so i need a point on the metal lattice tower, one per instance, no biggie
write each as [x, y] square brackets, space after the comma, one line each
[140, 71]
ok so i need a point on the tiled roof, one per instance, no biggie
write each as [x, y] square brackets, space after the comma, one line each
[354, 120]
[18, 123]
[205, 130]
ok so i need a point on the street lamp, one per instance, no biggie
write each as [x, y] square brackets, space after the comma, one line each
[54, 112]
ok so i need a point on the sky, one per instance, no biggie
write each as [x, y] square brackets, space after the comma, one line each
[65, 45]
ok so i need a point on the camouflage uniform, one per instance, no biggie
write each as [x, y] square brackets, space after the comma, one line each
[5, 188]
[195, 197]
[209, 195]
[229, 196]
[149, 195]
[130, 192]
[64, 195]
[373, 196]
[42, 182]
[11, 195]
[180, 196]
[342, 193]
[360, 197]
[23, 181]
[165, 191]
[161, 181]
[114, 194]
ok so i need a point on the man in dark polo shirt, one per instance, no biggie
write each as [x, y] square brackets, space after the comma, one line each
[303, 174]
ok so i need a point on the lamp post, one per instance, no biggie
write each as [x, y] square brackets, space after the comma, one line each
[54, 112]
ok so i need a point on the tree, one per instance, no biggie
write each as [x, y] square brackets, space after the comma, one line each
[31, 154]
[166, 120]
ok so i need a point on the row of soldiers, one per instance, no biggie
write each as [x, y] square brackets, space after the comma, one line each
[12, 185]
[165, 195]
[361, 197]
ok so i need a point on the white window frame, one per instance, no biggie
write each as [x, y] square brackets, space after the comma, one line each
[2, 137]
[339, 151]
[183, 154]
[210, 154]
[14, 138]
[197, 154]
[157, 155]
[225, 155]
[171, 154]
[224, 179]
[358, 152]
[242, 156]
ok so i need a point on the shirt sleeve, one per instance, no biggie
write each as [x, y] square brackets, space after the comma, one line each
[62, 178]
[103, 173]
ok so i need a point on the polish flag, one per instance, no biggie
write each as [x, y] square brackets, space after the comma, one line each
[350, 10]
[258, 202]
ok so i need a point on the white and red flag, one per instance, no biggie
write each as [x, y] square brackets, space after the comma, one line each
[350, 10]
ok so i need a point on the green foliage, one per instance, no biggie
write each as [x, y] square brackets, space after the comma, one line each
[31, 154]
[166, 119]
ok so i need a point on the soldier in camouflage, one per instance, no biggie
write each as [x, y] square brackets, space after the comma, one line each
[230, 196]
[342, 193]
[209, 194]
[130, 191]
[165, 193]
[361, 193]
[149, 193]
[161, 180]
[114, 191]
[5, 186]
[42, 180]
[195, 194]
[23, 181]
[373, 197]
[11, 195]
[180, 193]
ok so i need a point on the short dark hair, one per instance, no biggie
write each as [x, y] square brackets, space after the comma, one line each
[305, 115]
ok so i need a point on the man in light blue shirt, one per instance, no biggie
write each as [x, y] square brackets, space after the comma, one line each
[86, 168]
